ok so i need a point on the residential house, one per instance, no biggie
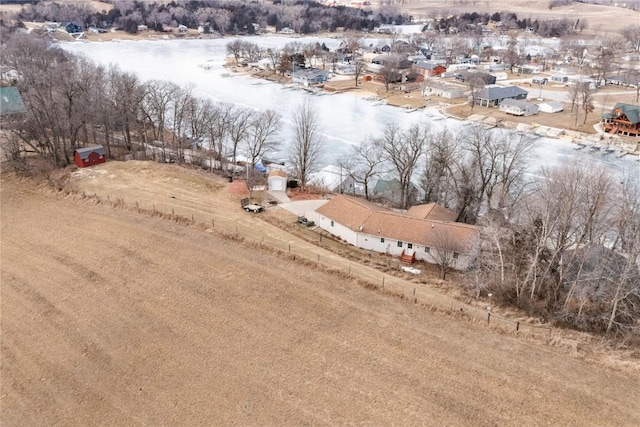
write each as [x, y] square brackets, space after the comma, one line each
[388, 191]
[551, 107]
[309, 77]
[491, 96]
[432, 211]
[423, 235]
[443, 90]
[429, 69]
[623, 119]
[518, 107]
[530, 68]
[11, 102]
[628, 80]
[559, 78]
[466, 75]
[335, 179]
[395, 60]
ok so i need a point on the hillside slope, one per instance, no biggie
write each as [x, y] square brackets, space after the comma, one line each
[109, 317]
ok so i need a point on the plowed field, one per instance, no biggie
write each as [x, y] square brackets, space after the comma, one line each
[110, 317]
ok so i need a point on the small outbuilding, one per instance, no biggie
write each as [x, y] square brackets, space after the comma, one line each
[89, 156]
[277, 180]
[551, 107]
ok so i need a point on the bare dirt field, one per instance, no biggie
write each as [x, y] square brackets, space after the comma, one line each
[599, 18]
[114, 317]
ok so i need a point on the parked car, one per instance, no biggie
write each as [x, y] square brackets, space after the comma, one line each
[305, 222]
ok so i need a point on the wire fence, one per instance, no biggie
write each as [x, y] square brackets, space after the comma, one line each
[310, 253]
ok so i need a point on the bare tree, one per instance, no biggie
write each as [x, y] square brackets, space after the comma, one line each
[235, 48]
[442, 152]
[156, 106]
[261, 135]
[475, 84]
[389, 72]
[510, 55]
[403, 151]
[364, 163]
[359, 68]
[239, 121]
[305, 152]
[443, 252]
[631, 34]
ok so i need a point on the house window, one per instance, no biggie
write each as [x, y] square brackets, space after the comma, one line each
[427, 249]
[409, 245]
[455, 255]
[332, 223]
[399, 244]
[382, 240]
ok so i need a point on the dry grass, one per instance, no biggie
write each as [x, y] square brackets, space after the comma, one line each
[116, 314]
[600, 18]
[563, 120]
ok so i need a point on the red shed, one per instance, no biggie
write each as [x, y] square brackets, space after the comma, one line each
[89, 156]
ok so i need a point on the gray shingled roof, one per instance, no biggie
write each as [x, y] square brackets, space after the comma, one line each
[85, 151]
[495, 93]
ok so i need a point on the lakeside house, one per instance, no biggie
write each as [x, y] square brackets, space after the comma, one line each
[443, 90]
[517, 107]
[466, 75]
[310, 77]
[492, 96]
[388, 191]
[423, 233]
[622, 119]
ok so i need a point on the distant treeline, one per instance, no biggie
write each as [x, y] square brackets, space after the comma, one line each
[240, 17]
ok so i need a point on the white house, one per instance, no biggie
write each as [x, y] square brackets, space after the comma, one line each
[551, 107]
[518, 107]
[277, 180]
[423, 234]
[443, 90]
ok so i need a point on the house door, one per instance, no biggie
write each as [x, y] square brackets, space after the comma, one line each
[409, 250]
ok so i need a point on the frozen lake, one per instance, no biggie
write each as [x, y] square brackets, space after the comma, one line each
[347, 119]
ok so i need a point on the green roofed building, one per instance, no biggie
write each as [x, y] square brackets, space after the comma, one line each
[623, 119]
[11, 101]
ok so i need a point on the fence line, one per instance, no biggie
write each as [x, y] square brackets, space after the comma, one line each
[367, 276]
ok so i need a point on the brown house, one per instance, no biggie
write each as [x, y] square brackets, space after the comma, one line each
[89, 156]
[623, 119]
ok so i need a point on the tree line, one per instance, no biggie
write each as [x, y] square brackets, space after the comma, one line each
[72, 102]
[216, 16]
[562, 243]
